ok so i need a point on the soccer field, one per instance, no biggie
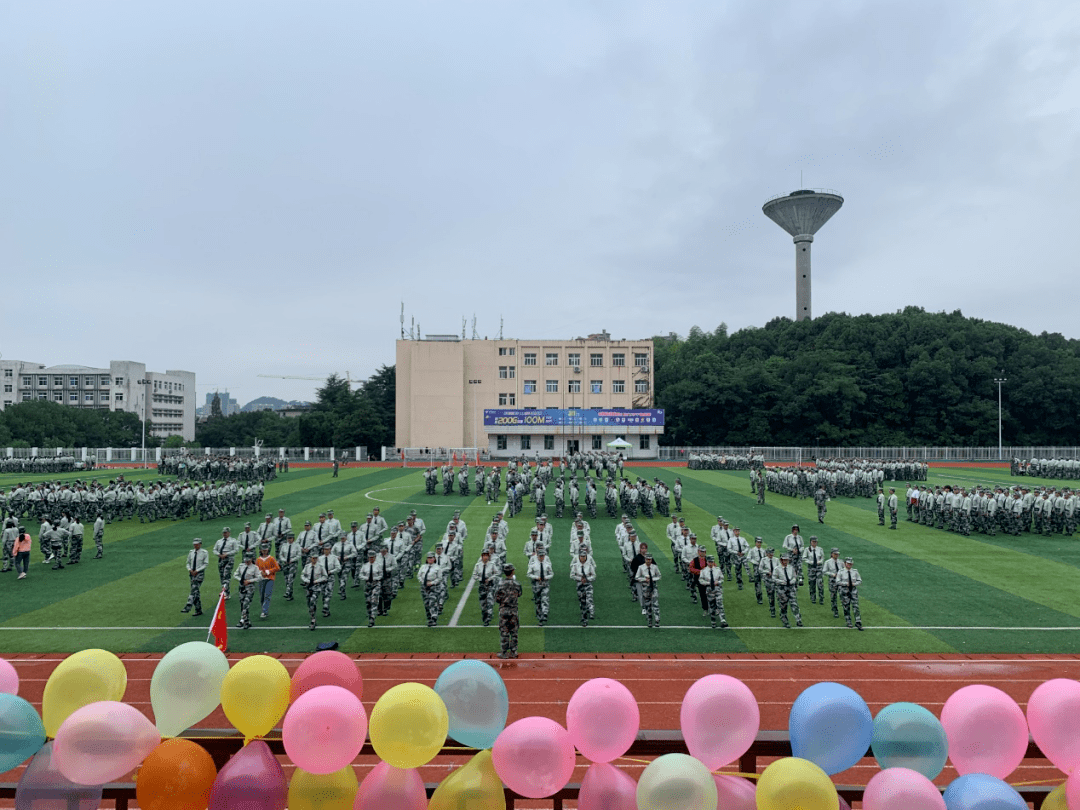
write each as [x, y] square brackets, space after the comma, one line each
[923, 590]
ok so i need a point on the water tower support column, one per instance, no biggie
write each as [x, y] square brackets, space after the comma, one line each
[802, 277]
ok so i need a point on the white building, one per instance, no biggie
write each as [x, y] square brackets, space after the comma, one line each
[166, 399]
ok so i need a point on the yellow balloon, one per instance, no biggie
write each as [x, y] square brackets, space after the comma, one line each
[81, 679]
[1055, 799]
[408, 725]
[328, 791]
[255, 695]
[795, 784]
[474, 786]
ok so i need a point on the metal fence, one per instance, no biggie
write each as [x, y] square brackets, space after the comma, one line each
[795, 454]
[130, 455]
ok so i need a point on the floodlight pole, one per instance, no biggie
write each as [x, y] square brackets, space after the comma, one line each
[999, 381]
[144, 383]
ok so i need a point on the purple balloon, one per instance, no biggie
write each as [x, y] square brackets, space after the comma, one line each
[605, 787]
[251, 780]
[43, 787]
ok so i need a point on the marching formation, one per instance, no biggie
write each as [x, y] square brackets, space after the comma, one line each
[218, 468]
[1011, 510]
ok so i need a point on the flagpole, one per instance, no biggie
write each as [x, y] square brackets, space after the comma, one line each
[210, 632]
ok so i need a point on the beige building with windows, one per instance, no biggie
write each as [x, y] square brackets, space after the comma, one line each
[449, 388]
[166, 399]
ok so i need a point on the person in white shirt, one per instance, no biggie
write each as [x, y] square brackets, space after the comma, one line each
[197, 560]
[486, 576]
[712, 580]
[583, 572]
[755, 557]
[831, 568]
[225, 550]
[247, 574]
[848, 582]
[737, 548]
[893, 507]
[815, 559]
[372, 577]
[430, 576]
[648, 577]
[540, 573]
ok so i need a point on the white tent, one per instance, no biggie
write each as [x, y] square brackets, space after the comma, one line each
[622, 445]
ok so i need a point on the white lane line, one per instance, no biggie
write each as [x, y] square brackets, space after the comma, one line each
[461, 604]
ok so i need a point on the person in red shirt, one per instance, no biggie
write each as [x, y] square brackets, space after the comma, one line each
[697, 565]
[268, 566]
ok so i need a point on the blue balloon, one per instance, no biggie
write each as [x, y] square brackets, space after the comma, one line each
[21, 731]
[476, 700]
[978, 791]
[906, 735]
[831, 726]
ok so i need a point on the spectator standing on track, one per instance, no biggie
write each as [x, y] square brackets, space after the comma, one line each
[197, 560]
[507, 593]
[848, 582]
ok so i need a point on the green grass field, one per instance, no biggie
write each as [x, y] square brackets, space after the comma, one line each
[924, 590]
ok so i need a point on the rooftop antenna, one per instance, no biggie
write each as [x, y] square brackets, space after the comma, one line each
[802, 213]
[500, 327]
[464, 320]
[403, 321]
[475, 336]
[412, 329]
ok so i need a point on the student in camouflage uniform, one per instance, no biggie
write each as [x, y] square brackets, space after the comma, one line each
[794, 545]
[881, 507]
[99, 537]
[893, 503]
[331, 568]
[507, 593]
[387, 566]
[648, 575]
[58, 539]
[583, 572]
[770, 566]
[289, 558]
[815, 559]
[247, 574]
[820, 500]
[10, 533]
[540, 573]
[430, 577]
[484, 575]
[76, 529]
[560, 500]
[677, 492]
[372, 577]
[711, 579]
[830, 569]
[756, 557]
[225, 550]
[314, 580]
[787, 587]
[346, 553]
[848, 582]
[197, 560]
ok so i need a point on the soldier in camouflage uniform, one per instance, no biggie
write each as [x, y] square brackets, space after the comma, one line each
[289, 558]
[10, 533]
[583, 572]
[848, 582]
[756, 557]
[507, 593]
[225, 550]
[560, 500]
[484, 575]
[371, 574]
[247, 575]
[540, 572]
[314, 581]
[430, 577]
[786, 581]
[197, 560]
[770, 566]
[711, 579]
[815, 559]
[648, 575]
[820, 499]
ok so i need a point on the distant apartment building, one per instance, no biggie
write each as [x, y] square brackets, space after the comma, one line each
[229, 406]
[526, 397]
[166, 399]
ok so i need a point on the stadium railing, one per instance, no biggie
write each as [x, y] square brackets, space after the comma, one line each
[805, 454]
[223, 743]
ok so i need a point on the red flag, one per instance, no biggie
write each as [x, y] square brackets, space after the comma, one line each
[454, 459]
[478, 456]
[219, 628]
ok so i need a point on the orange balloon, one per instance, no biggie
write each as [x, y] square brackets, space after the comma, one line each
[177, 775]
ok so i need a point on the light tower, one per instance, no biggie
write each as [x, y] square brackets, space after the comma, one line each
[801, 214]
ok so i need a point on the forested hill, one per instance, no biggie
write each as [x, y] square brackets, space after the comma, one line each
[909, 378]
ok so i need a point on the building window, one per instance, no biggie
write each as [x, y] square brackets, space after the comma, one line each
[58, 381]
[74, 382]
[643, 442]
[26, 382]
[596, 360]
[502, 373]
[530, 358]
[88, 397]
[7, 388]
[513, 372]
[573, 359]
[530, 387]
[618, 359]
[551, 359]
[119, 396]
[9, 372]
[73, 397]
[89, 382]
[641, 386]
[26, 396]
[104, 380]
[502, 351]
[42, 396]
[503, 399]
[512, 399]
[500, 442]
[104, 396]
[58, 397]
[549, 442]
[641, 360]
[618, 386]
[42, 382]
[597, 386]
[597, 442]
[8, 403]
[526, 442]
[573, 386]
[552, 387]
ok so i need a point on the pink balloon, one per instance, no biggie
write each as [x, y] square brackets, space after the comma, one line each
[987, 731]
[251, 780]
[327, 668]
[387, 786]
[1053, 713]
[102, 742]
[324, 729]
[605, 787]
[9, 678]
[534, 757]
[901, 789]
[603, 719]
[1072, 789]
[735, 793]
[719, 719]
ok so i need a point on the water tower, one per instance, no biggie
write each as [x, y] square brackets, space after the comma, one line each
[801, 214]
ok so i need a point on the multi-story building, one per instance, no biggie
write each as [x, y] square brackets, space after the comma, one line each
[166, 399]
[229, 406]
[480, 393]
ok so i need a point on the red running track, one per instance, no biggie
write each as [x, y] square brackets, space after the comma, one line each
[542, 684]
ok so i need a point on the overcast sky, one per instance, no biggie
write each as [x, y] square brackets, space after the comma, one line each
[240, 188]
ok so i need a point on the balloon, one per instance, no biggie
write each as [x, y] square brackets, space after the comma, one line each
[1055, 799]
[326, 791]
[1053, 714]
[255, 695]
[324, 729]
[21, 731]
[102, 742]
[901, 789]
[9, 678]
[831, 726]
[908, 736]
[474, 786]
[978, 791]
[534, 757]
[186, 686]
[735, 793]
[90, 676]
[251, 780]
[605, 787]
[603, 719]
[676, 782]
[387, 786]
[327, 668]
[476, 701]
[408, 725]
[177, 775]
[1072, 790]
[43, 787]
[791, 783]
[719, 719]
[987, 731]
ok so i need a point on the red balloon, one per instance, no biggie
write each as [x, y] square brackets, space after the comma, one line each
[327, 668]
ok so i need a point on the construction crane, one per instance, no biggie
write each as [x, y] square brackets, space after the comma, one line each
[348, 378]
